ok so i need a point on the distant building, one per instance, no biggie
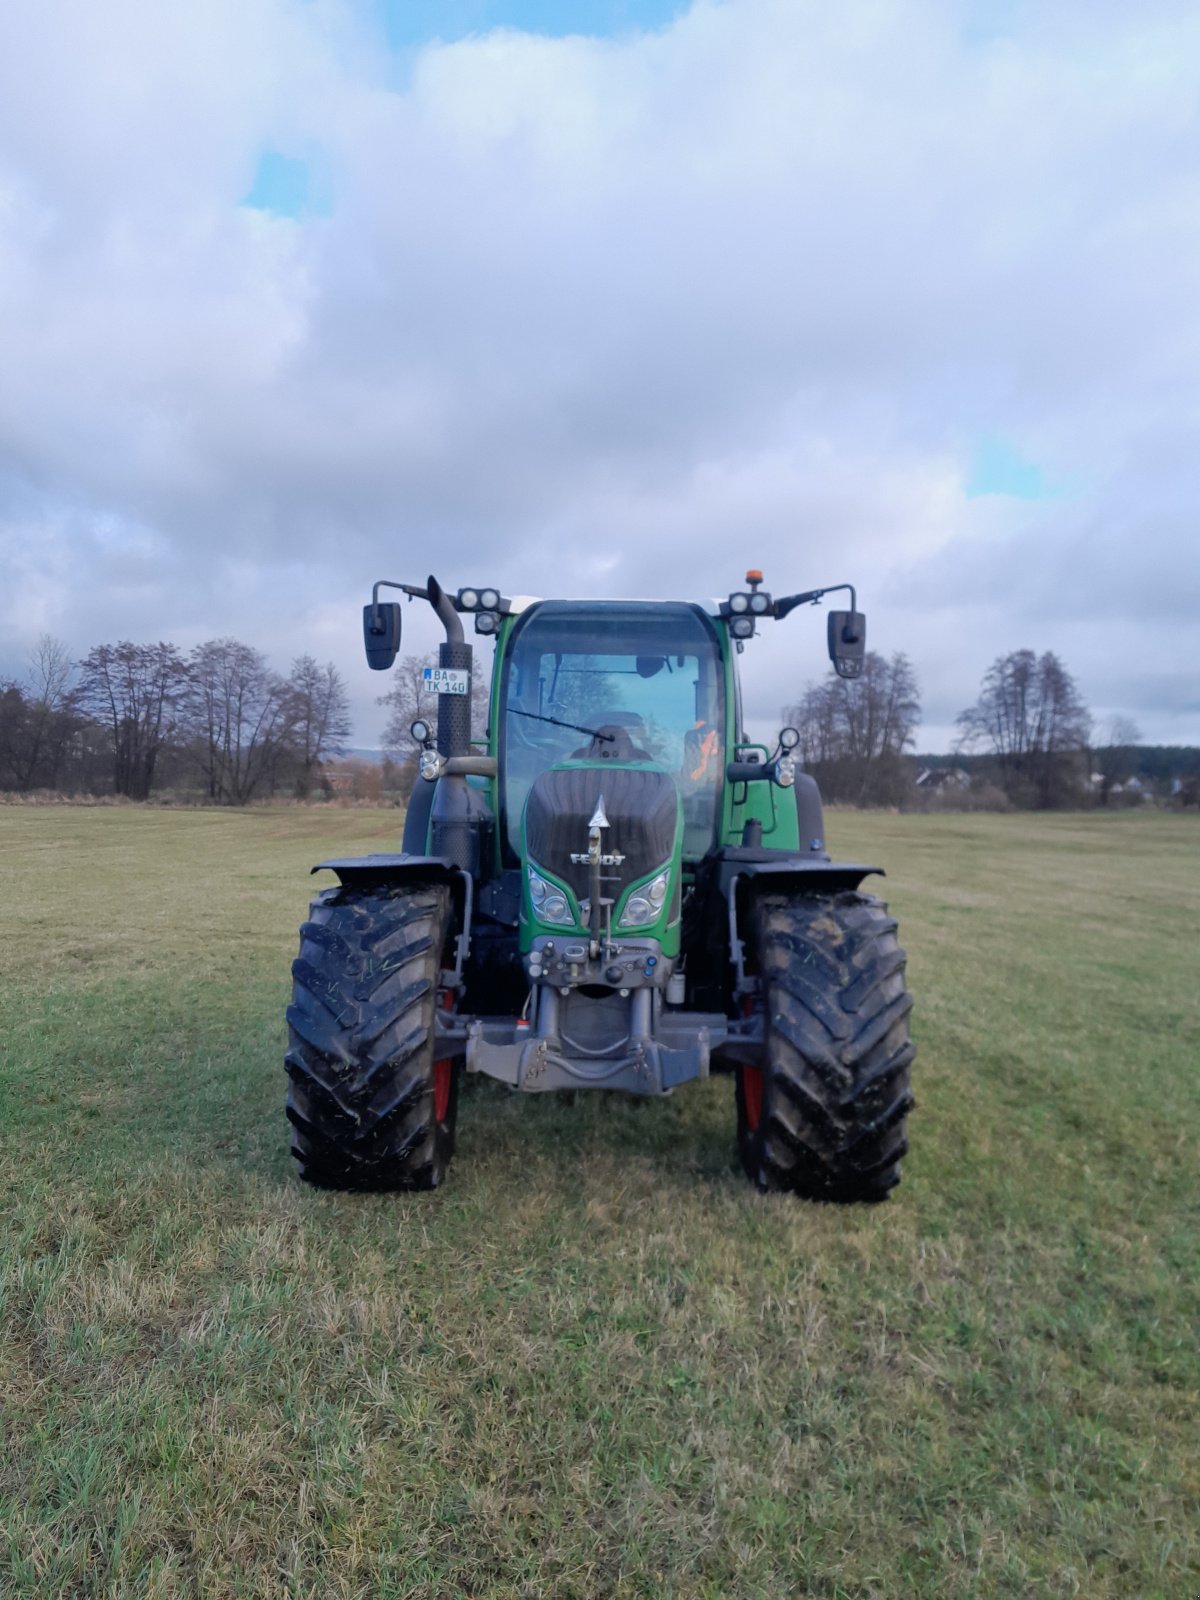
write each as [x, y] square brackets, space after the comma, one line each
[935, 778]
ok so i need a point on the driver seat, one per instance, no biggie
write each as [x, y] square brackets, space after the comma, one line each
[611, 742]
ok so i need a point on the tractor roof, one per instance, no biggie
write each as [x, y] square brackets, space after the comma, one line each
[522, 602]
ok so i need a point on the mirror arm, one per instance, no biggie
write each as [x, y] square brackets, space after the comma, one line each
[811, 596]
[386, 583]
[433, 592]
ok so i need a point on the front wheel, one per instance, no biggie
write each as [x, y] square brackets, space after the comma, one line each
[824, 1115]
[370, 1106]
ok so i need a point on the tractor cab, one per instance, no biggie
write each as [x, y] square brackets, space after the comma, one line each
[618, 686]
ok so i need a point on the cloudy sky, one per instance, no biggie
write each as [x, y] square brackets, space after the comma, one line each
[609, 298]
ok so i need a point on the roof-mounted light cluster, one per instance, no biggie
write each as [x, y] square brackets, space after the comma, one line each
[745, 606]
[489, 605]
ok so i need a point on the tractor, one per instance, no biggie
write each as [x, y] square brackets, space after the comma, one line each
[611, 887]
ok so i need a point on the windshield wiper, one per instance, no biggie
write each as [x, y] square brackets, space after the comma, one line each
[578, 727]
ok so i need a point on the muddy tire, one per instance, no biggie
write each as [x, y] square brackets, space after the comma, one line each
[369, 1106]
[825, 1114]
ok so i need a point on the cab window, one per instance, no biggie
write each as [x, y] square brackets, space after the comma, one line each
[648, 673]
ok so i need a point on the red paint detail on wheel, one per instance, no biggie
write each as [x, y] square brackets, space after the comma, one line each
[752, 1093]
[752, 1078]
[442, 1072]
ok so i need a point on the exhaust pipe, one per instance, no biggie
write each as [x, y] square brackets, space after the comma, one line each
[454, 710]
[460, 819]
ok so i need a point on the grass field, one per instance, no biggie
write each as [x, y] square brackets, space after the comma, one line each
[598, 1363]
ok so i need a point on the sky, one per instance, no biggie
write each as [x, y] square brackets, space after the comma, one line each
[609, 299]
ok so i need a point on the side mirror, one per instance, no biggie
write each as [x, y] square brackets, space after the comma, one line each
[847, 642]
[381, 634]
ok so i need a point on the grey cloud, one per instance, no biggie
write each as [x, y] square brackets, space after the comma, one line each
[616, 316]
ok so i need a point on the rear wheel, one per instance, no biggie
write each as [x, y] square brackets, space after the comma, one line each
[824, 1115]
[369, 1105]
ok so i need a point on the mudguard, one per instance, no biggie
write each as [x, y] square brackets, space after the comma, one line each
[357, 871]
[367, 872]
[416, 818]
[779, 869]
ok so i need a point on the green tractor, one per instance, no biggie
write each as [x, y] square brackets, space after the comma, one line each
[611, 888]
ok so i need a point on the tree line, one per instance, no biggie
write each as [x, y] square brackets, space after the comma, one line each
[219, 722]
[854, 732]
[1028, 740]
[133, 718]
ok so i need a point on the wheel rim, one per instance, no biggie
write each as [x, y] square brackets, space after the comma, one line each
[442, 1074]
[752, 1093]
[443, 1071]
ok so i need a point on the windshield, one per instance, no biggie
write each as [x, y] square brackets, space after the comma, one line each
[646, 676]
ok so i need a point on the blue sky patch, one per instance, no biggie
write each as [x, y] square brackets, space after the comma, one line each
[415, 22]
[988, 21]
[999, 467]
[284, 186]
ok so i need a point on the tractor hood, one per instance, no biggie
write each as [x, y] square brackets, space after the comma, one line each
[642, 809]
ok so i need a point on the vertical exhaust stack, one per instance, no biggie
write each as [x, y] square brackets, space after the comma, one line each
[460, 819]
[454, 710]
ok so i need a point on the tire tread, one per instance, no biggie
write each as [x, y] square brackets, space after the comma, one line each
[360, 1053]
[836, 1090]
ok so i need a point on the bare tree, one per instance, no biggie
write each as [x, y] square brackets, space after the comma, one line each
[854, 731]
[815, 716]
[1116, 755]
[408, 699]
[319, 715]
[1031, 718]
[135, 690]
[39, 717]
[13, 716]
[239, 718]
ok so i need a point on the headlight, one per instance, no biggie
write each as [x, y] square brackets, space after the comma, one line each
[760, 603]
[549, 902]
[489, 599]
[785, 772]
[742, 627]
[646, 902]
[468, 599]
[430, 765]
[739, 602]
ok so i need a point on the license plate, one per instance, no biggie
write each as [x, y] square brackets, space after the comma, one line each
[447, 680]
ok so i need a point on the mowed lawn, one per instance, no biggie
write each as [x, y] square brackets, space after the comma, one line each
[598, 1363]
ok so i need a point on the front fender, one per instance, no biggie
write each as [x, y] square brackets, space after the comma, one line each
[742, 872]
[393, 871]
[357, 872]
[779, 869]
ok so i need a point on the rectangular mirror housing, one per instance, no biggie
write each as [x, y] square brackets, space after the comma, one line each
[381, 634]
[847, 642]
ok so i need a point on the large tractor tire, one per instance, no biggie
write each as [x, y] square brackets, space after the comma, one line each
[824, 1116]
[369, 1105]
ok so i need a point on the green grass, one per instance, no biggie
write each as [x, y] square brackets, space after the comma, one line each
[598, 1363]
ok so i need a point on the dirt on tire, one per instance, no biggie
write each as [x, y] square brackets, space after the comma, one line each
[825, 1116]
[370, 1107]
